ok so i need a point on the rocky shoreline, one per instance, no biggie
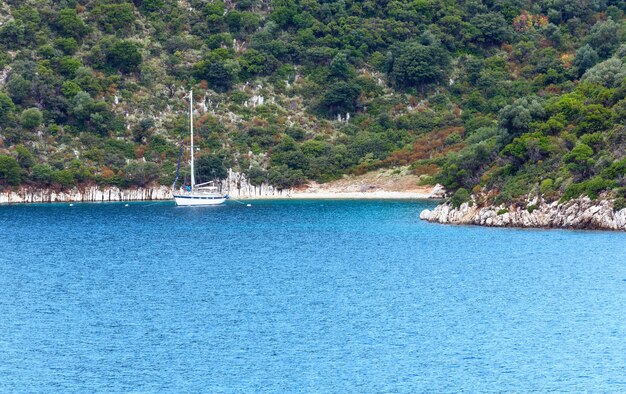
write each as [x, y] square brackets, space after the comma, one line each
[83, 194]
[237, 186]
[581, 213]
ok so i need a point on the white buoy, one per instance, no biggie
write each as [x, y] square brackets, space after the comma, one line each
[71, 205]
[125, 205]
[248, 205]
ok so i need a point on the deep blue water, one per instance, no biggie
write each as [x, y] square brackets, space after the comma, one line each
[303, 296]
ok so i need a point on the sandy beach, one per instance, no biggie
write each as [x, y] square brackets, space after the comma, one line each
[382, 184]
[329, 195]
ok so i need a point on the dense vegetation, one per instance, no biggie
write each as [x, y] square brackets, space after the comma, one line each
[514, 96]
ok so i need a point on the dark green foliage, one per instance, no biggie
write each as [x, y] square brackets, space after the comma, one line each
[43, 173]
[211, 168]
[216, 73]
[18, 88]
[31, 118]
[283, 177]
[340, 98]
[70, 24]
[66, 44]
[528, 147]
[459, 197]
[12, 35]
[63, 178]
[114, 17]
[68, 66]
[142, 174]
[124, 56]
[416, 64]
[6, 107]
[490, 28]
[604, 37]
[478, 95]
[586, 57]
[10, 173]
[257, 176]
[590, 188]
[517, 117]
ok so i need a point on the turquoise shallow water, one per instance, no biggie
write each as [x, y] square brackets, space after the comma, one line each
[303, 296]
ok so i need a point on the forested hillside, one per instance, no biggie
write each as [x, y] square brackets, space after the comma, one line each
[512, 96]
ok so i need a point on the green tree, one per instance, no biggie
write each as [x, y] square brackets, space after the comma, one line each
[70, 24]
[340, 98]
[68, 45]
[114, 17]
[216, 73]
[283, 177]
[69, 65]
[70, 89]
[6, 106]
[339, 66]
[211, 167]
[609, 73]
[517, 117]
[491, 28]
[10, 172]
[415, 64]
[12, 34]
[42, 173]
[19, 88]
[580, 160]
[142, 173]
[24, 157]
[257, 176]
[585, 58]
[31, 118]
[604, 37]
[124, 56]
[529, 147]
[63, 178]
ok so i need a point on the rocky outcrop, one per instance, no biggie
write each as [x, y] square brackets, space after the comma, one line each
[580, 213]
[84, 194]
[237, 185]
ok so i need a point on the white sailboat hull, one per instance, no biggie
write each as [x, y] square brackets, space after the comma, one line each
[198, 200]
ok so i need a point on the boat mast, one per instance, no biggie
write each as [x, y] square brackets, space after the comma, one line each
[193, 179]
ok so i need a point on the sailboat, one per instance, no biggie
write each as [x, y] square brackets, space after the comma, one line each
[206, 193]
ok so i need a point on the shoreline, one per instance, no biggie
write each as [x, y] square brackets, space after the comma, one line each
[94, 194]
[581, 213]
[379, 195]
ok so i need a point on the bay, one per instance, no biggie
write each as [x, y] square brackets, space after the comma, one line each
[303, 296]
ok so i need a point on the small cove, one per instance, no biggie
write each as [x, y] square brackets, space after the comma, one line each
[303, 296]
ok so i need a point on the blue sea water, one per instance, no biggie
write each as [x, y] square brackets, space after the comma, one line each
[303, 296]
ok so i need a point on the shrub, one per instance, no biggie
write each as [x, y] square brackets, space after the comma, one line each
[42, 173]
[502, 211]
[125, 56]
[591, 188]
[619, 204]
[547, 185]
[460, 196]
[10, 172]
[63, 178]
[31, 118]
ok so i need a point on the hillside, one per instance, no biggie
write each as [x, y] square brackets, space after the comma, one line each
[508, 97]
